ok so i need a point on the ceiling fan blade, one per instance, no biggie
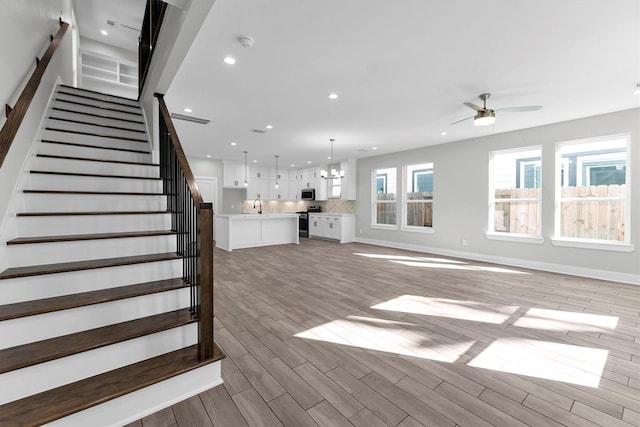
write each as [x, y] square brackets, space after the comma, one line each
[462, 120]
[520, 109]
[473, 106]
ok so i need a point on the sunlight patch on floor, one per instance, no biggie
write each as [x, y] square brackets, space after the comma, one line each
[453, 309]
[556, 320]
[387, 336]
[458, 267]
[543, 359]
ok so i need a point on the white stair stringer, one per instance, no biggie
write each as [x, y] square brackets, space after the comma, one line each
[59, 284]
[44, 376]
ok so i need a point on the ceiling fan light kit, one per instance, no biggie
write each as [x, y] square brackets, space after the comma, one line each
[486, 116]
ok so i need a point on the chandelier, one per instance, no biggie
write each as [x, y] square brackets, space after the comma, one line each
[333, 173]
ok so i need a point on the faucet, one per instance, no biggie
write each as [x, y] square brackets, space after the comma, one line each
[254, 205]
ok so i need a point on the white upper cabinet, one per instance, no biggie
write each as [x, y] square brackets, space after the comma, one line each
[349, 180]
[232, 174]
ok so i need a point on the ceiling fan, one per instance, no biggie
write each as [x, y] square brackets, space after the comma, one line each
[486, 116]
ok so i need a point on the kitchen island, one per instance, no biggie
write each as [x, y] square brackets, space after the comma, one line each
[237, 231]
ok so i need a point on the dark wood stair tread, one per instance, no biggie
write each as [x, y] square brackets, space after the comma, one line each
[55, 348]
[100, 116]
[77, 144]
[64, 302]
[84, 104]
[98, 193]
[90, 159]
[96, 236]
[84, 213]
[88, 94]
[62, 119]
[89, 91]
[59, 402]
[77, 132]
[37, 270]
[95, 175]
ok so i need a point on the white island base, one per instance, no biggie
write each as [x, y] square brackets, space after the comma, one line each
[239, 231]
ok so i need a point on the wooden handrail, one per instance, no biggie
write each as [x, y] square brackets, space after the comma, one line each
[193, 222]
[16, 114]
[182, 158]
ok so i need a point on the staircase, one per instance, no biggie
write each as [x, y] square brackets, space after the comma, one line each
[95, 327]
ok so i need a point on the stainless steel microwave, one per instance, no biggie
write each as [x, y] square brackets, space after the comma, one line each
[308, 194]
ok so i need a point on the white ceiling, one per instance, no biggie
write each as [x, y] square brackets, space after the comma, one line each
[402, 69]
[92, 16]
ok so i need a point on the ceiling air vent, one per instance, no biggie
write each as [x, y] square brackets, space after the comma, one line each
[111, 23]
[189, 118]
[258, 131]
[363, 150]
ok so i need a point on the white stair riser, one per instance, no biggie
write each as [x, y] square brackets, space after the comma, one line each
[40, 181]
[95, 129]
[43, 202]
[97, 95]
[97, 111]
[85, 224]
[97, 103]
[146, 401]
[97, 141]
[30, 329]
[37, 378]
[53, 285]
[81, 166]
[83, 250]
[92, 153]
[68, 115]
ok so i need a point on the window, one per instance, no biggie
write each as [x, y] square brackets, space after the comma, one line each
[592, 191]
[515, 192]
[418, 200]
[384, 206]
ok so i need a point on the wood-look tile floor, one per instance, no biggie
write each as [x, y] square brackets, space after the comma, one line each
[340, 335]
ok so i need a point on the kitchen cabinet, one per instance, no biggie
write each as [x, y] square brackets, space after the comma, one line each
[340, 227]
[258, 189]
[311, 179]
[349, 180]
[233, 174]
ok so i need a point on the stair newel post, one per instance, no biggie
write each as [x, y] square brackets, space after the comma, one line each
[205, 279]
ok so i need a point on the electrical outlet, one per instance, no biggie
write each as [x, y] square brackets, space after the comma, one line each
[464, 242]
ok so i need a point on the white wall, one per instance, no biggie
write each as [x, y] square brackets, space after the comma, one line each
[25, 26]
[461, 183]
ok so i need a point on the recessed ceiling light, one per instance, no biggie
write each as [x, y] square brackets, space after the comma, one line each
[308, 162]
[292, 165]
[104, 33]
[443, 133]
[229, 60]
[188, 110]
[209, 156]
[269, 127]
[255, 161]
[333, 96]
[374, 148]
[234, 143]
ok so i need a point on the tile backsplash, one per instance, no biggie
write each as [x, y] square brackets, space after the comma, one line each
[276, 206]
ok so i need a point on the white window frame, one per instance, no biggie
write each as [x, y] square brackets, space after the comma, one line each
[405, 201]
[609, 245]
[512, 237]
[375, 201]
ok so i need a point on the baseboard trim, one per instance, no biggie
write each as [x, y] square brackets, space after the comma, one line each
[134, 406]
[591, 273]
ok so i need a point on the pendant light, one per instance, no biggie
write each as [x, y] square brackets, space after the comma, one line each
[246, 183]
[333, 173]
[276, 156]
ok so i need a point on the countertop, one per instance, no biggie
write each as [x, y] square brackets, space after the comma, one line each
[257, 216]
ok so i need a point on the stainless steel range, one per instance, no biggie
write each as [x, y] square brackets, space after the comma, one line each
[303, 220]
